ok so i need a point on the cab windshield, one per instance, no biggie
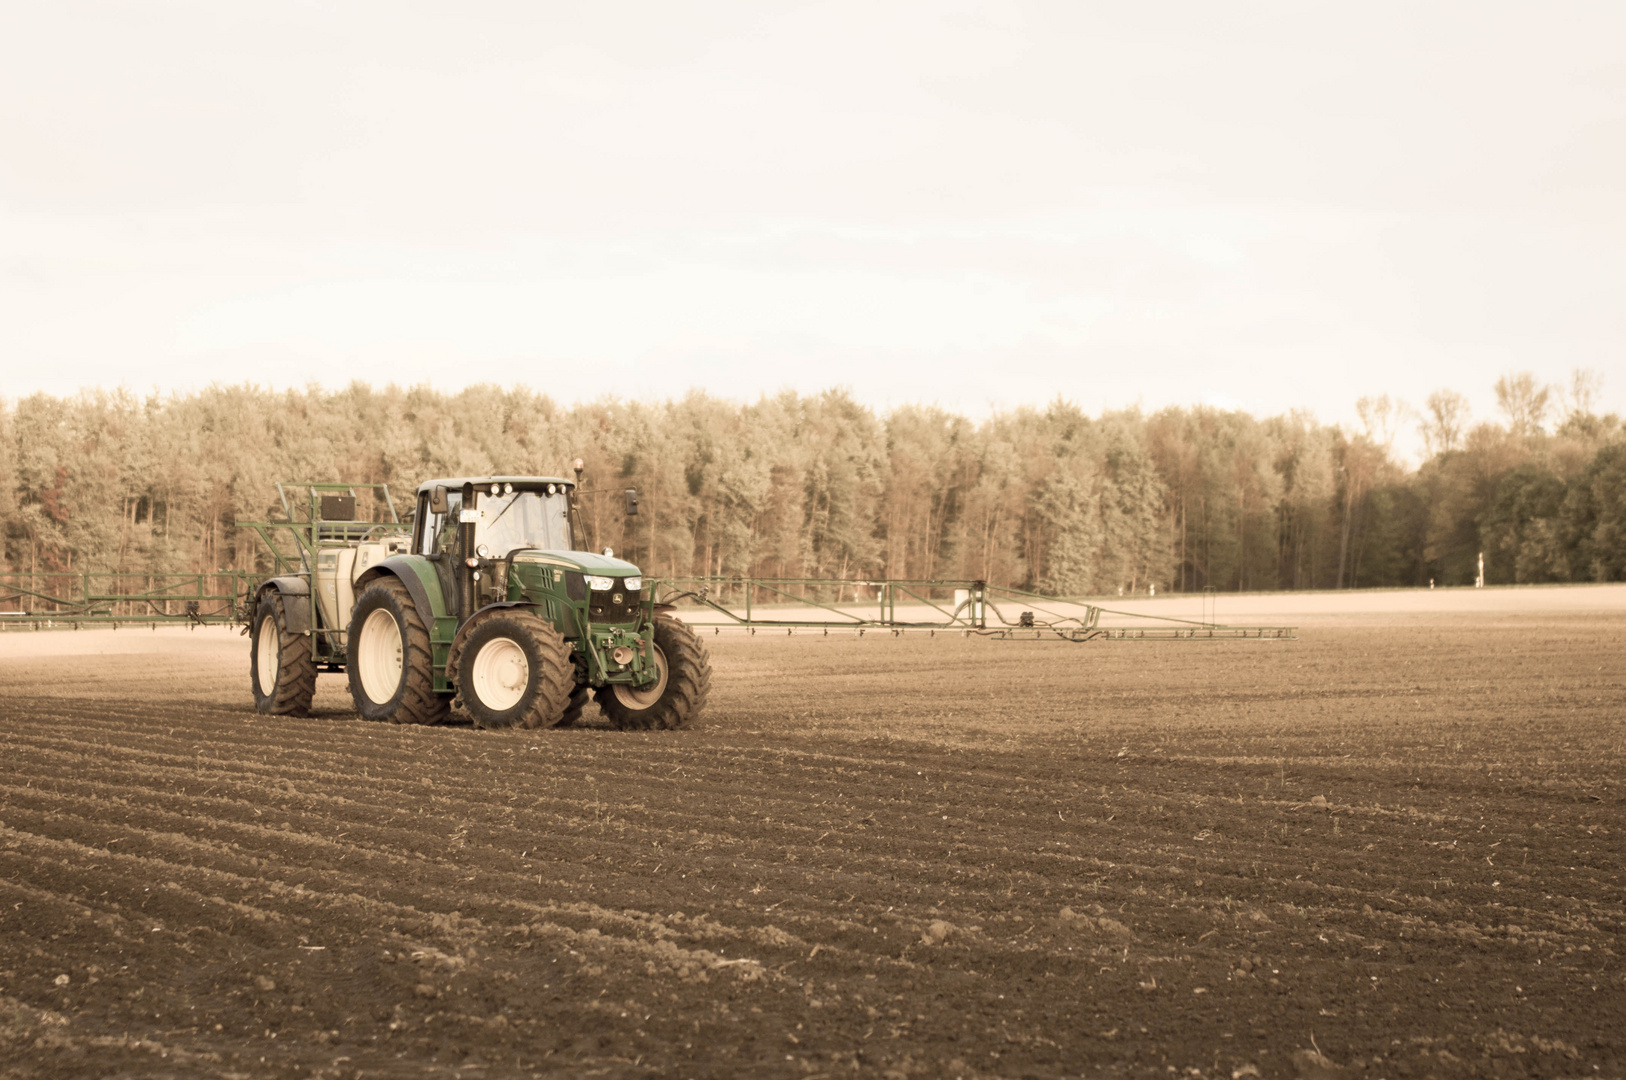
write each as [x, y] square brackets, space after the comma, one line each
[525, 519]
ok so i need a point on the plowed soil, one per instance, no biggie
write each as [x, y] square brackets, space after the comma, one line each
[1377, 851]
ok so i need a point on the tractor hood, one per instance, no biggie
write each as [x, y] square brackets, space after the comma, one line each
[584, 561]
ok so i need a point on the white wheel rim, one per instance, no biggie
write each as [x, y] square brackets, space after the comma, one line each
[267, 653]
[500, 674]
[378, 657]
[633, 698]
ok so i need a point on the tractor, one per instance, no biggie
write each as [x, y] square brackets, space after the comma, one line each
[485, 604]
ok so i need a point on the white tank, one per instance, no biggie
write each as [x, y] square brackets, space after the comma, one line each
[368, 554]
[332, 583]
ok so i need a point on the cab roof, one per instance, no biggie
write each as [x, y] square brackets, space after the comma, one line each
[521, 483]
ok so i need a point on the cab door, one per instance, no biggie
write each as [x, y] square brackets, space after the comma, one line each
[439, 539]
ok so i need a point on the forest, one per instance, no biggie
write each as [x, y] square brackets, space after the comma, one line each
[819, 486]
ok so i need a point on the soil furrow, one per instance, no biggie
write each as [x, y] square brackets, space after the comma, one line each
[931, 858]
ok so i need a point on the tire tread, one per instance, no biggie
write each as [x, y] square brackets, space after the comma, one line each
[558, 678]
[688, 683]
[296, 667]
[419, 702]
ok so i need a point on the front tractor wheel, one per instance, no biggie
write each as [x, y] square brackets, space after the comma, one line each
[676, 697]
[388, 658]
[281, 670]
[578, 702]
[515, 670]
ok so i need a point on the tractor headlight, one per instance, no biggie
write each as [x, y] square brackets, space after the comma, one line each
[632, 584]
[600, 584]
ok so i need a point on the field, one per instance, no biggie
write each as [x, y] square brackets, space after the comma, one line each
[1395, 847]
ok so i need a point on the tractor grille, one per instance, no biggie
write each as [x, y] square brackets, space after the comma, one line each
[601, 606]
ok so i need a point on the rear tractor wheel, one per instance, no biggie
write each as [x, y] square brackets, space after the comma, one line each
[280, 669]
[677, 697]
[388, 658]
[514, 670]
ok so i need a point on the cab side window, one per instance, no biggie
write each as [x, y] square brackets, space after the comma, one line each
[443, 533]
[434, 533]
[424, 525]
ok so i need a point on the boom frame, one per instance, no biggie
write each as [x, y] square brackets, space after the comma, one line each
[966, 609]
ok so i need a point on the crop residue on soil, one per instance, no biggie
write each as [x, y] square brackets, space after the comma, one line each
[1375, 851]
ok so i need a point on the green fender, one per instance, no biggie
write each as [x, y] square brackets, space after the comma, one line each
[418, 575]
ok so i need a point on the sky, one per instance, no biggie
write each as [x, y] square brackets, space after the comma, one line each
[980, 206]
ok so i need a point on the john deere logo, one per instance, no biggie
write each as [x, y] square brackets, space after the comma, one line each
[615, 598]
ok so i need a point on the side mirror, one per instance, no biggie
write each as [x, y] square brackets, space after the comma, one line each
[437, 501]
[632, 501]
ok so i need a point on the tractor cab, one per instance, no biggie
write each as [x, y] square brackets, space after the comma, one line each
[510, 513]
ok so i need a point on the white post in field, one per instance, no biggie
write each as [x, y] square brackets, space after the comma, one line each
[1479, 582]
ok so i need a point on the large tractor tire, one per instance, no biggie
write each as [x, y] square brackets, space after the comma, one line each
[388, 658]
[514, 670]
[280, 667]
[678, 696]
[578, 702]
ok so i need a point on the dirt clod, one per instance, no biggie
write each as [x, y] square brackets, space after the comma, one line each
[1113, 928]
[1312, 1065]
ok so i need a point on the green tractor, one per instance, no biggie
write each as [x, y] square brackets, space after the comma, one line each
[486, 603]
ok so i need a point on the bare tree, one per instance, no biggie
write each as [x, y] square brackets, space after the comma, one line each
[1524, 401]
[1580, 398]
[1445, 423]
[1381, 417]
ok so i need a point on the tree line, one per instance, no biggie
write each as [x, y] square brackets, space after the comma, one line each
[819, 486]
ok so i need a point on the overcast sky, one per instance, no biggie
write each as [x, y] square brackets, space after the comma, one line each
[976, 205]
